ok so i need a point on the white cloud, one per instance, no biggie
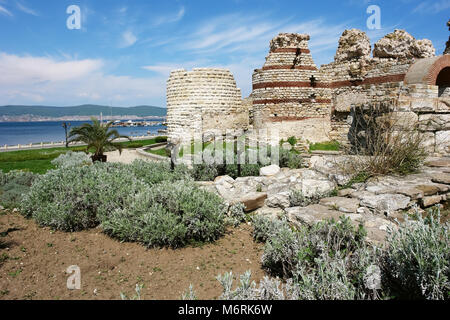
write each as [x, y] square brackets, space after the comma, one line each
[17, 69]
[170, 18]
[128, 39]
[47, 80]
[5, 11]
[432, 7]
[26, 9]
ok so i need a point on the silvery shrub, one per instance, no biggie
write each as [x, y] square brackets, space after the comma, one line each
[72, 159]
[416, 261]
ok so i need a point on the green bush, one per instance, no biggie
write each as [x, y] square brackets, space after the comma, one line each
[205, 172]
[169, 214]
[290, 159]
[297, 199]
[236, 214]
[156, 172]
[13, 186]
[265, 228]
[73, 198]
[144, 202]
[208, 172]
[292, 141]
[134, 145]
[416, 262]
[71, 159]
[160, 139]
[328, 260]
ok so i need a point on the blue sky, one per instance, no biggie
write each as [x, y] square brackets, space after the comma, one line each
[124, 51]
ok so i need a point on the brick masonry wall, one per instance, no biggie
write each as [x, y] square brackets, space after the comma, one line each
[283, 97]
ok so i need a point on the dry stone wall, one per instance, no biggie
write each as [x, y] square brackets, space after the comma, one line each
[201, 100]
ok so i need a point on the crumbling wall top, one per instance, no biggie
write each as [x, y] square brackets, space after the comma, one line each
[289, 40]
[401, 45]
[353, 44]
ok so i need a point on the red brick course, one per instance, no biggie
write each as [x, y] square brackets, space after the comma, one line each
[290, 67]
[282, 50]
[277, 101]
[336, 84]
[281, 119]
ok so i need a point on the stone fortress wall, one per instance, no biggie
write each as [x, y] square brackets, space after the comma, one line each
[284, 94]
[290, 94]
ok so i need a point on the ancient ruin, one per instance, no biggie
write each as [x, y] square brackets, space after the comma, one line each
[292, 95]
[203, 99]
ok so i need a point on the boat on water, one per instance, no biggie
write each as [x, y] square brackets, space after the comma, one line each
[131, 123]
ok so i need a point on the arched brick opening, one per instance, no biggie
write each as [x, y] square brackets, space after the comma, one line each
[432, 71]
[443, 82]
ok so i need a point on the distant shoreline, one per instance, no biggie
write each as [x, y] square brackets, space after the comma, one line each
[32, 118]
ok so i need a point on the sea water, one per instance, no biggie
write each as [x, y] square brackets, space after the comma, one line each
[14, 133]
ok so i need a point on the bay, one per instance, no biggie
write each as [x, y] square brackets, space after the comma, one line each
[14, 133]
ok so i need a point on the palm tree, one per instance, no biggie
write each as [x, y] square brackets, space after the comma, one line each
[98, 136]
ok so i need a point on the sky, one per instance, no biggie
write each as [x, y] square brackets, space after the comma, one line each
[123, 52]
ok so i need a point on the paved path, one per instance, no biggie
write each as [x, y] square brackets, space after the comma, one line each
[127, 156]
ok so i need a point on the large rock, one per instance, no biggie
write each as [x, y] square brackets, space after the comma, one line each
[434, 122]
[411, 192]
[311, 214]
[441, 178]
[401, 45]
[428, 190]
[353, 44]
[430, 201]
[224, 186]
[253, 201]
[273, 213]
[332, 167]
[443, 142]
[269, 170]
[439, 163]
[278, 200]
[313, 187]
[377, 229]
[386, 202]
[346, 205]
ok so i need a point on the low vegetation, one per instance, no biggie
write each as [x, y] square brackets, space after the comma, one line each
[384, 144]
[40, 160]
[141, 202]
[207, 172]
[325, 146]
[331, 260]
[13, 186]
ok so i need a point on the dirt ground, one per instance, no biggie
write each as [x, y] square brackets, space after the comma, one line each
[33, 263]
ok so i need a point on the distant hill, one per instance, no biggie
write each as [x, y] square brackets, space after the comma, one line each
[84, 110]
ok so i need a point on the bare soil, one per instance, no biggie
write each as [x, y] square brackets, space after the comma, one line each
[33, 263]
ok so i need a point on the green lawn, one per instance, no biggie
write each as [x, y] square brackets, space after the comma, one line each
[39, 160]
[160, 152]
[325, 146]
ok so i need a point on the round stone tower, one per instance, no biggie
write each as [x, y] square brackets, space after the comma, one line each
[288, 92]
[201, 100]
